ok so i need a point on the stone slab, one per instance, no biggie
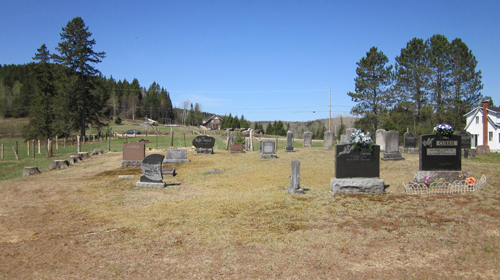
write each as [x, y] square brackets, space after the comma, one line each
[203, 151]
[150, 185]
[131, 163]
[392, 156]
[446, 176]
[357, 185]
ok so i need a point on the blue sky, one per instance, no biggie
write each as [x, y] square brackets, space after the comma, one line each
[266, 60]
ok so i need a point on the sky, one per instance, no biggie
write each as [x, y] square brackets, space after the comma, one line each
[266, 60]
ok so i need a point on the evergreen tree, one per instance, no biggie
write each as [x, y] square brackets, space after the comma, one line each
[372, 93]
[270, 129]
[465, 81]
[412, 79]
[77, 54]
[440, 71]
[42, 112]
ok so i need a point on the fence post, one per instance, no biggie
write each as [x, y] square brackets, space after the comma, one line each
[33, 146]
[57, 143]
[77, 143]
[15, 153]
[28, 147]
[39, 146]
[2, 152]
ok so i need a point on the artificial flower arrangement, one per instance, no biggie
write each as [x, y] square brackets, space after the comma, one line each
[444, 129]
[360, 140]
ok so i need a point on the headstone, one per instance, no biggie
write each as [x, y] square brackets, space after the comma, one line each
[289, 142]
[438, 153]
[353, 162]
[357, 170]
[176, 156]
[410, 139]
[349, 132]
[151, 168]
[203, 145]
[392, 146]
[307, 139]
[251, 140]
[294, 187]
[133, 154]
[380, 138]
[344, 139]
[328, 140]
[236, 148]
[267, 149]
[466, 138]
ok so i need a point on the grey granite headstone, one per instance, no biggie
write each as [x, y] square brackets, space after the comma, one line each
[289, 142]
[466, 138]
[267, 149]
[392, 146]
[380, 138]
[307, 139]
[176, 156]
[349, 132]
[328, 140]
[294, 187]
[344, 139]
[151, 168]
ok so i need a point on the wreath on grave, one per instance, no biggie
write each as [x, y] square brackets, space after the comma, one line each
[444, 130]
[360, 140]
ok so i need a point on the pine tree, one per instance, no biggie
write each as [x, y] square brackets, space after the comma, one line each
[440, 70]
[77, 54]
[41, 114]
[372, 93]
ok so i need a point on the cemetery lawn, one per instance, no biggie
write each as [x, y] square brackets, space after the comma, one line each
[86, 223]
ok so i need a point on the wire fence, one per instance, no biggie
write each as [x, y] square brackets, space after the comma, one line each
[445, 187]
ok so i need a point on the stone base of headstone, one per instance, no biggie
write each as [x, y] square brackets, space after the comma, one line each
[179, 160]
[30, 170]
[131, 163]
[74, 159]
[83, 155]
[289, 149]
[150, 185]
[170, 171]
[357, 185]
[268, 156]
[439, 176]
[483, 150]
[392, 156]
[59, 164]
[292, 190]
[203, 151]
[468, 153]
[97, 152]
[410, 150]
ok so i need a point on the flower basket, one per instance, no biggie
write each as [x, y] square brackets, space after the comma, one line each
[443, 130]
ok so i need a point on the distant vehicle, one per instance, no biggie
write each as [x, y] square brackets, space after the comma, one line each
[210, 127]
[132, 132]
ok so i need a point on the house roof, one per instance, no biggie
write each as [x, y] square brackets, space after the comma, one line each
[206, 120]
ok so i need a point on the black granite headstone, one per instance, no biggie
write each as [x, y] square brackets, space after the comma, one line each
[438, 153]
[353, 162]
[410, 139]
[151, 168]
[206, 142]
[465, 137]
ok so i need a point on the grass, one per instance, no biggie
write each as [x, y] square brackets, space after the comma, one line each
[84, 222]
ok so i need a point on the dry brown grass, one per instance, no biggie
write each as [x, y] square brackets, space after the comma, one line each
[85, 223]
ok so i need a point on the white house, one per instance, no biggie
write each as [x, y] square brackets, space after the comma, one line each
[481, 121]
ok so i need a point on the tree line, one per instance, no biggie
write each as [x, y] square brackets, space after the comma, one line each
[433, 81]
[64, 91]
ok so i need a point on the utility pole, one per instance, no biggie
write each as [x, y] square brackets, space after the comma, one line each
[330, 119]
